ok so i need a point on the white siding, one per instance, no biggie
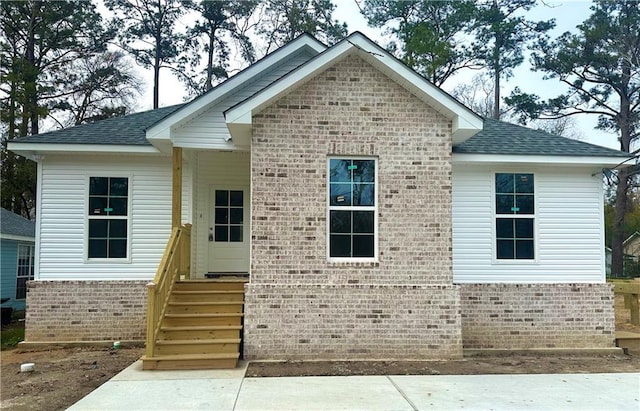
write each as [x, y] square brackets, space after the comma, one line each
[210, 128]
[568, 228]
[223, 169]
[63, 216]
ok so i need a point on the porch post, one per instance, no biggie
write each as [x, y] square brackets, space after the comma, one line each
[176, 194]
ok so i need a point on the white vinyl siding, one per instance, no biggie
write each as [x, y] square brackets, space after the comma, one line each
[209, 130]
[221, 169]
[569, 227]
[62, 219]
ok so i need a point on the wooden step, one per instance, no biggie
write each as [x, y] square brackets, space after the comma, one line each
[207, 295]
[200, 332]
[208, 285]
[211, 346]
[191, 361]
[205, 307]
[179, 320]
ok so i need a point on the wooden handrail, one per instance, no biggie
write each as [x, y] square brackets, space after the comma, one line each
[175, 262]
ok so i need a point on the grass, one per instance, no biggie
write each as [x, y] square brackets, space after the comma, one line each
[13, 333]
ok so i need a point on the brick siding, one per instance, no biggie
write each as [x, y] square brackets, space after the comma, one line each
[529, 316]
[314, 322]
[350, 109]
[85, 311]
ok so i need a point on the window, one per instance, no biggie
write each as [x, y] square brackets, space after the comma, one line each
[108, 217]
[352, 218]
[25, 269]
[228, 215]
[514, 216]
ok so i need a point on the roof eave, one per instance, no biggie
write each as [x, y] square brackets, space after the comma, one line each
[465, 123]
[599, 161]
[35, 151]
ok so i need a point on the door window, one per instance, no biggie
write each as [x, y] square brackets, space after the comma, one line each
[228, 216]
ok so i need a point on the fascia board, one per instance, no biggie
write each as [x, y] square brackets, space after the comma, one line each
[17, 238]
[466, 158]
[161, 130]
[32, 150]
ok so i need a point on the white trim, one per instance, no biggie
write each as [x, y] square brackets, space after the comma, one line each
[32, 150]
[32, 265]
[495, 216]
[162, 130]
[39, 171]
[465, 122]
[536, 159]
[329, 208]
[18, 238]
[87, 217]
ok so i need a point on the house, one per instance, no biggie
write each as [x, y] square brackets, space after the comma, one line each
[17, 244]
[367, 213]
[631, 255]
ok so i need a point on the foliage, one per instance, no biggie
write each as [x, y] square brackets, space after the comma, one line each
[427, 33]
[219, 24]
[11, 335]
[501, 34]
[43, 45]
[147, 31]
[600, 67]
[284, 20]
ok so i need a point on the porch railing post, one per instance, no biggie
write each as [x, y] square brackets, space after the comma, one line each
[176, 192]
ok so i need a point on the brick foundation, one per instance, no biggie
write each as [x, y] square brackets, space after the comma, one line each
[86, 311]
[533, 316]
[351, 322]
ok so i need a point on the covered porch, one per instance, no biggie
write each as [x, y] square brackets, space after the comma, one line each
[196, 300]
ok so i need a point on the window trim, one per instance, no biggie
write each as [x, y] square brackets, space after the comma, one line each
[32, 265]
[495, 216]
[330, 208]
[87, 217]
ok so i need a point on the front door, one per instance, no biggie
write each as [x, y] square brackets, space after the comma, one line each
[229, 230]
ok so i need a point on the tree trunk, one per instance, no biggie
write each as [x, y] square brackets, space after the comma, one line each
[618, 235]
[622, 202]
[156, 83]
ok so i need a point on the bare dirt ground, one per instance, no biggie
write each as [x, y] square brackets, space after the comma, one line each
[63, 376]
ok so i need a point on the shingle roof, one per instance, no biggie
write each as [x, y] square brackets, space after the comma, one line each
[126, 130]
[13, 224]
[498, 137]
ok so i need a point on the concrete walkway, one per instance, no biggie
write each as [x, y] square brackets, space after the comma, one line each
[134, 389]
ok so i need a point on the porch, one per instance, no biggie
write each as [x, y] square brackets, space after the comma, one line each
[196, 300]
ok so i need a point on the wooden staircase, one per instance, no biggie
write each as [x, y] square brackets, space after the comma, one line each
[201, 327]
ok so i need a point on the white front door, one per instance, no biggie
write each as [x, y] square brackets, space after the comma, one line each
[229, 230]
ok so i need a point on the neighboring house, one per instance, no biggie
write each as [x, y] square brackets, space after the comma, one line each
[17, 240]
[631, 246]
[376, 216]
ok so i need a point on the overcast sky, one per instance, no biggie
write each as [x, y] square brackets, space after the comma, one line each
[568, 14]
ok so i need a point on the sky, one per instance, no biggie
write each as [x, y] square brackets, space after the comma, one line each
[568, 14]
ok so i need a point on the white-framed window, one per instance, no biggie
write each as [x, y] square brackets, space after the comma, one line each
[352, 220]
[514, 216]
[108, 218]
[228, 216]
[25, 269]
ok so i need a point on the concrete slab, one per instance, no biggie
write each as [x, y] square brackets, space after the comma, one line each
[135, 373]
[320, 393]
[186, 394]
[516, 392]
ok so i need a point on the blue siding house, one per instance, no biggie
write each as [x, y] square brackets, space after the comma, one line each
[17, 240]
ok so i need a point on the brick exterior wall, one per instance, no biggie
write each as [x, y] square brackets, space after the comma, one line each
[85, 311]
[531, 316]
[302, 322]
[351, 109]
